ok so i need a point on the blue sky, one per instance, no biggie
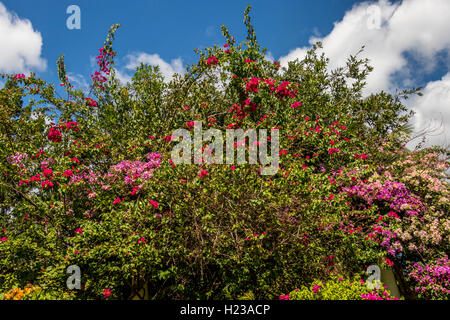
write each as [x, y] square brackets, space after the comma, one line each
[171, 28]
[407, 41]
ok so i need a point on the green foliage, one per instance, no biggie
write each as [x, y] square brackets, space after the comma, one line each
[338, 288]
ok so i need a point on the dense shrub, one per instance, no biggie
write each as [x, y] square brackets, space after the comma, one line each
[338, 288]
[87, 180]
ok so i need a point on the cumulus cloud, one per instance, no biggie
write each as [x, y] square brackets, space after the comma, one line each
[403, 41]
[432, 113]
[20, 44]
[134, 60]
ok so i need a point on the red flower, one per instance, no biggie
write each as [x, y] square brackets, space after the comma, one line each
[389, 262]
[190, 124]
[295, 105]
[142, 239]
[332, 150]
[362, 156]
[54, 135]
[68, 173]
[203, 173]
[36, 178]
[91, 102]
[48, 172]
[212, 61]
[46, 184]
[252, 85]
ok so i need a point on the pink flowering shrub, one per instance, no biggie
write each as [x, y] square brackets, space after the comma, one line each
[432, 281]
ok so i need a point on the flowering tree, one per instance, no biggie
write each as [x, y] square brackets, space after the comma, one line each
[88, 180]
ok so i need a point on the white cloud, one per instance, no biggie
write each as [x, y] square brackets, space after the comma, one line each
[419, 27]
[123, 77]
[135, 59]
[78, 81]
[389, 30]
[20, 44]
[433, 113]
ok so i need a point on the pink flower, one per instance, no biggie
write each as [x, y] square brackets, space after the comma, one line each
[316, 288]
[68, 173]
[284, 297]
[203, 173]
[142, 239]
[134, 191]
[389, 262]
[91, 102]
[212, 61]
[48, 172]
[35, 178]
[107, 293]
[362, 156]
[332, 150]
[252, 85]
[19, 76]
[190, 124]
[117, 201]
[154, 203]
[78, 231]
[295, 105]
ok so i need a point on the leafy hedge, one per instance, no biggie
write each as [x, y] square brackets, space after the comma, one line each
[87, 180]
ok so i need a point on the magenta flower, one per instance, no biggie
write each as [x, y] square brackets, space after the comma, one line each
[154, 203]
[203, 173]
[107, 293]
